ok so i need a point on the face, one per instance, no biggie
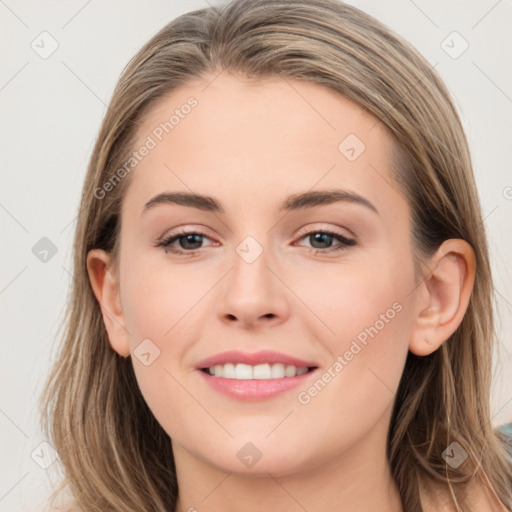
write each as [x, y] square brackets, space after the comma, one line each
[325, 279]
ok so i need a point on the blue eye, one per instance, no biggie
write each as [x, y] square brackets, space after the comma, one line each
[190, 242]
[319, 240]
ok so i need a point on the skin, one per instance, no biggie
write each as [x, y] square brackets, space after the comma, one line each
[251, 146]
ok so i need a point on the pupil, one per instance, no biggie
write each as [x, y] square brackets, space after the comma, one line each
[321, 238]
[190, 238]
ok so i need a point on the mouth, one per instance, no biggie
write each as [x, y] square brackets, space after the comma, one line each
[261, 382]
[255, 375]
[264, 371]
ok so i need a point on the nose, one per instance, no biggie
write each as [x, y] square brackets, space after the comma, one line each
[253, 295]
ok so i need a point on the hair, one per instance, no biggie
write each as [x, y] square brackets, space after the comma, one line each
[114, 453]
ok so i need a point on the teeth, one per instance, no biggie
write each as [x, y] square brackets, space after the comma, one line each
[242, 371]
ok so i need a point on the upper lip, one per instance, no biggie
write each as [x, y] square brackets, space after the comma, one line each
[254, 358]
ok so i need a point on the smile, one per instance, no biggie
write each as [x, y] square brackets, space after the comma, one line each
[263, 371]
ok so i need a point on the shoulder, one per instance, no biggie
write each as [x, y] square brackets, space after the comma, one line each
[484, 499]
[479, 495]
[479, 498]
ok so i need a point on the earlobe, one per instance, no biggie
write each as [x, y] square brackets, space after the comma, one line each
[443, 297]
[104, 283]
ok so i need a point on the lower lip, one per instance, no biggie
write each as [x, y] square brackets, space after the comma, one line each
[253, 389]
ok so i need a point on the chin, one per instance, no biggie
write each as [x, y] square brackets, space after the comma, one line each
[258, 458]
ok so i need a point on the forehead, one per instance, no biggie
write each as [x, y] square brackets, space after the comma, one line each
[261, 139]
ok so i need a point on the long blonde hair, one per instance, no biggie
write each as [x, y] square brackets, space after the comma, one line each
[114, 453]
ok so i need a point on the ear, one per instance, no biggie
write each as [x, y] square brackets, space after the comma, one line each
[106, 289]
[443, 296]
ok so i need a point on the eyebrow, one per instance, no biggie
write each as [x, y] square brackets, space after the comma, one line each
[295, 202]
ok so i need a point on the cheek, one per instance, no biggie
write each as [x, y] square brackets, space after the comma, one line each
[358, 384]
[354, 311]
[160, 305]
[344, 299]
[158, 298]
[363, 317]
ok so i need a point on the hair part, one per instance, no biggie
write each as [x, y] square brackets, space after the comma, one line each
[115, 454]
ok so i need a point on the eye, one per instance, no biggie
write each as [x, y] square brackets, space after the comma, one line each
[189, 241]
[322, 240]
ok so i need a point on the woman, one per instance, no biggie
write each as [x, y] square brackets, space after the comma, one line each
[258, 368]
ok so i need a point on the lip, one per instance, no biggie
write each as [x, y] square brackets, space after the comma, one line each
[255, 389]
[261, 357]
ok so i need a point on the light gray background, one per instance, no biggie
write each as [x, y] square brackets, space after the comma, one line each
[51, 111]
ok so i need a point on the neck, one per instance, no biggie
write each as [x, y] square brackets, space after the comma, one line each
[356, 480]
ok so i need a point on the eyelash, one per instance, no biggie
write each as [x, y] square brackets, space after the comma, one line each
[166, 242]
